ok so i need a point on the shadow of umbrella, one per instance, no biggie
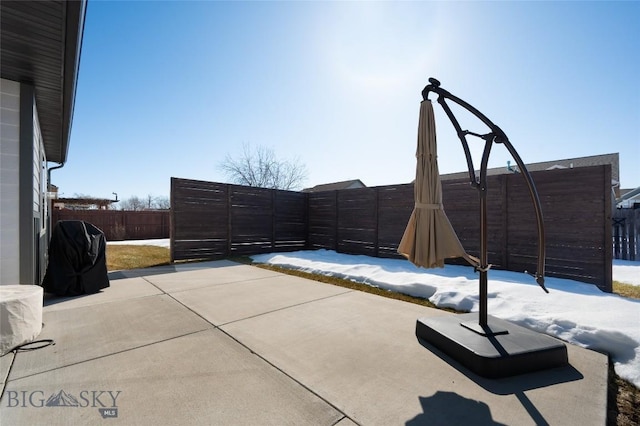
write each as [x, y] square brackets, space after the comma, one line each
[449, 408]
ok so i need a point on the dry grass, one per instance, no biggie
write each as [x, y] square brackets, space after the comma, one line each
[624, 398]
[134, 257]
[626, 290]
[624, 401]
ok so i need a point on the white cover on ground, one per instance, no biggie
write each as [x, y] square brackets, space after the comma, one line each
[20, 315]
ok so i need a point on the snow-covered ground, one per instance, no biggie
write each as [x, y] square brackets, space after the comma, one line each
[626, 271]
[160, 242]
[575, 312]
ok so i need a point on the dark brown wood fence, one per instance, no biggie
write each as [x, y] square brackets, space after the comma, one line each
[120, 224]
[626, 234]
[367, 221]
[576, 205]
[213, 220]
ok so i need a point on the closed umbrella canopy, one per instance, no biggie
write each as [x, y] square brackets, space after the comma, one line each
[429, 237]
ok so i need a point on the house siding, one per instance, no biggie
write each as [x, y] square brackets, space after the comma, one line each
[9, 182]
[40, 202]
[23, 203]
[30, 174]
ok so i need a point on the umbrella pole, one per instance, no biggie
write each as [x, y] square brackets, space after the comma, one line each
[484, 252]
[482, 317]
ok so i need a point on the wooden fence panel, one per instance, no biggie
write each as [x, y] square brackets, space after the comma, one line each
[120, 225]
[199, 219]
[214, 220]
[251, 216]
[322, 217]
[626, 233]
[461, 203]
[357, 221]
[576, 206]
[290, 221]
[395, 204]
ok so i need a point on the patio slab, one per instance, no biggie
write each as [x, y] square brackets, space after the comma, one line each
[287, 351]
[89, 332]
[168, 269]
[204, 378]
[5, 366]
[123, 289]
[206, 277]
[221, 304]
[360, 352]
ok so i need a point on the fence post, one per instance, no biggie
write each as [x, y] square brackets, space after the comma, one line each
[274, 200]
[377, 232]
[616, 237]
[172, 219]
[306, 221]
[607, 255]
[631, 232]
[505, 221]
[229, 233]
[337, 234]
[635, 236]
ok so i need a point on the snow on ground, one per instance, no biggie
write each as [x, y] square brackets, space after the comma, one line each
[575, 312]
[626, 271]
[161, 242]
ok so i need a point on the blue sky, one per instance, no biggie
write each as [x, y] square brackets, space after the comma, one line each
[170, 88]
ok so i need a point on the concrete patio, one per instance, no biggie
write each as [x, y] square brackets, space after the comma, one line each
[220, 343]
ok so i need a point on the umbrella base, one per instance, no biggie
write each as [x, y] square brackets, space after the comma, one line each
[500, 349]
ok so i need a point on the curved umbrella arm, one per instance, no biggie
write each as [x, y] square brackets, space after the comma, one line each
[462, 135]
[498, 136]
[539, 275]
[435, 87]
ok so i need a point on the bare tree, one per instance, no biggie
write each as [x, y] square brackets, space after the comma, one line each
[162, 203]
[149, 202]
[133, 203]
[260, 167]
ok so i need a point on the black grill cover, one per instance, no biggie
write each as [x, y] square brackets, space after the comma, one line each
[77, 259]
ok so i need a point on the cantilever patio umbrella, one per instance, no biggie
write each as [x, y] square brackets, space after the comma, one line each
[429, 237]
[489, 346]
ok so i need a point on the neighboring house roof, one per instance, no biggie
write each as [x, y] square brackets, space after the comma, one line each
[83, 203]
[40, 45]
[347, 184]
[568, 163]
[628, 197]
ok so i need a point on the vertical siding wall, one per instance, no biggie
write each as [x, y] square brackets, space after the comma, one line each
[32, 262]
[40, 202]
[9, 181]
[214, 220]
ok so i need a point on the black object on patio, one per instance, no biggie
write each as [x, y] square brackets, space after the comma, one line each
[488, 346]
[77, 260]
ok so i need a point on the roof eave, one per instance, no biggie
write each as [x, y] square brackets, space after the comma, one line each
[75, 17]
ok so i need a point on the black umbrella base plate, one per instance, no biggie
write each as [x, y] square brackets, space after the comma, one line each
[499, 349]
